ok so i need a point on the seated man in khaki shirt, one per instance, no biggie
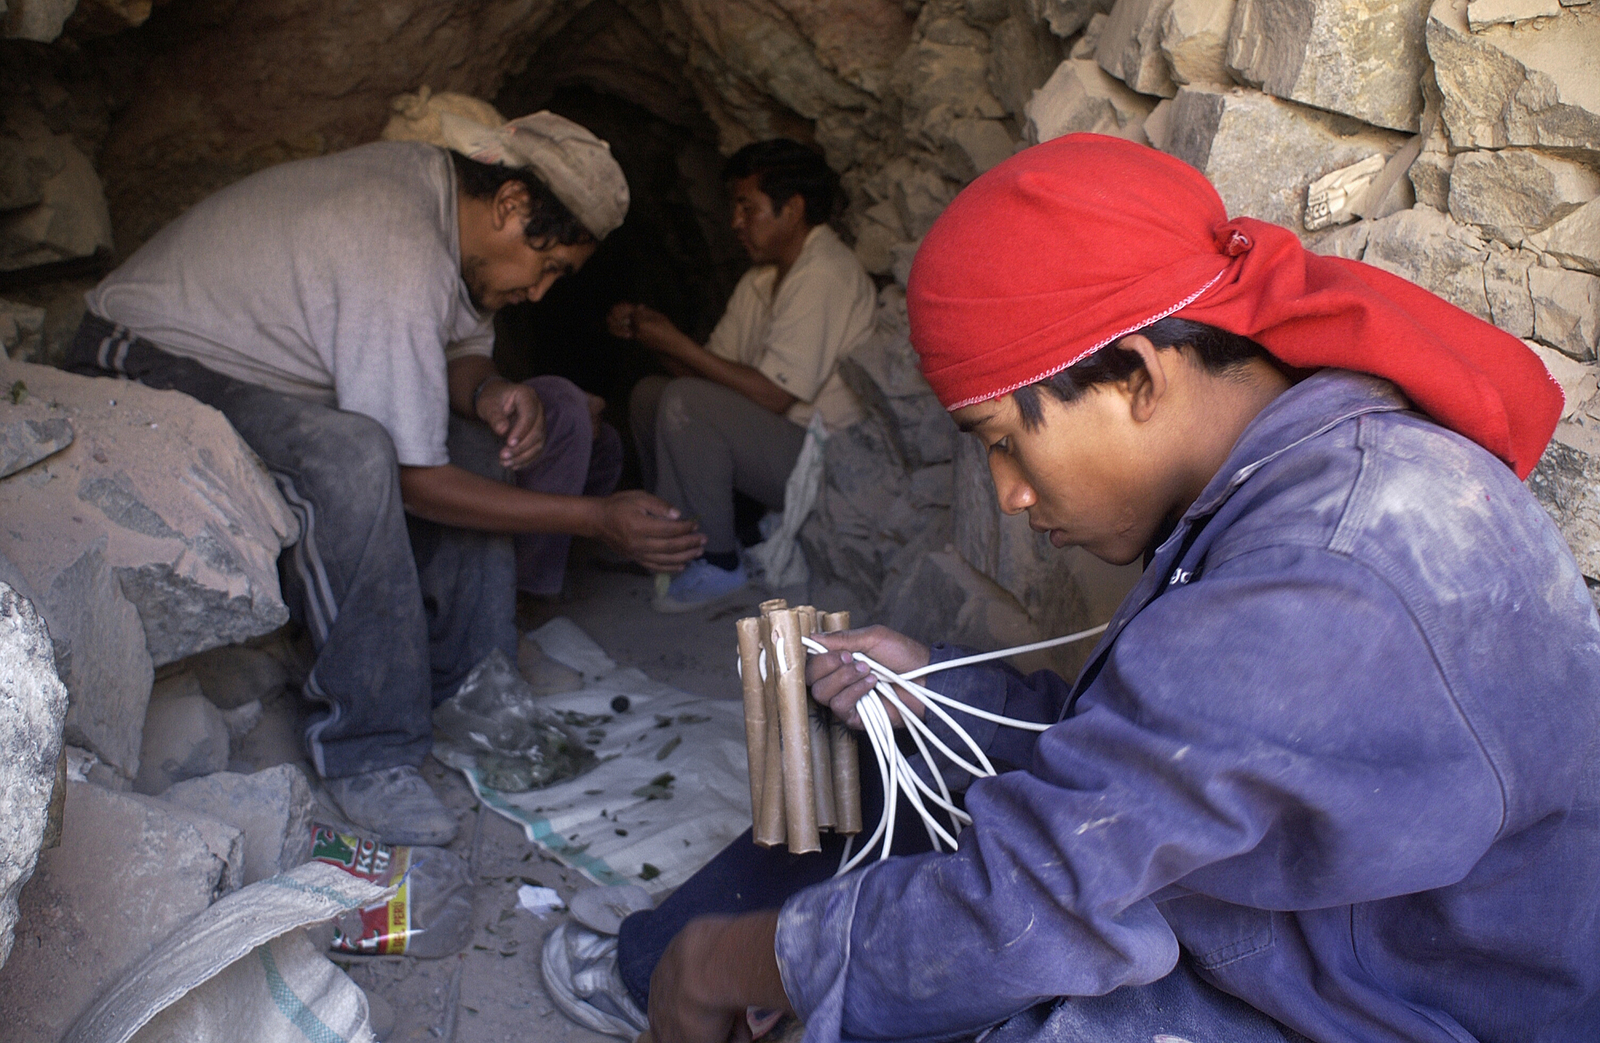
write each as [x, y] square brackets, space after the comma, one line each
[735, 413]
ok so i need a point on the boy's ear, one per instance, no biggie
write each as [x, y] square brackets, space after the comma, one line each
[1146, 387]
[511, 200]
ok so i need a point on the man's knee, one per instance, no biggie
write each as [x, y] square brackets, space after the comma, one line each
[686, 403]
[567, 420]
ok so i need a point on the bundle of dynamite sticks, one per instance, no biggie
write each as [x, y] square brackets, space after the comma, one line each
[805, 772]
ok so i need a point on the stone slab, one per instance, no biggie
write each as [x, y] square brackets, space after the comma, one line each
[1263, 153]
[21, 328]
[1194, 39]
[1481, 13]
[129, 871]
[71, 219]
[1362, 60]
[191, 522]
[1574, 240]
[1081, 96]
[1533, 83]
[1567, 483]
[33, 705]
[1566, 310]
[185, 737]
[274, 809]
[30, 430]
[1513, 193]
[1129, 47]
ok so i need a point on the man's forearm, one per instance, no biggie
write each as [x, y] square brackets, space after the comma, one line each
[452, 496]
[466, 375]
[747, 380]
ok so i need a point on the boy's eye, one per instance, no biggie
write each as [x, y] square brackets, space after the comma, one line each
[1000, 445]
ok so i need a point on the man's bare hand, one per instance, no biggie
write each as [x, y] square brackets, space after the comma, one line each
[650, 531]
[513, 411]
[715, 968]
[619, 320]
[839, 681]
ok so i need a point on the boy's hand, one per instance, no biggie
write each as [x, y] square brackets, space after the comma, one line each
[838, 681]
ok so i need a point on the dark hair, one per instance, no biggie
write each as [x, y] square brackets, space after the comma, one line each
[549, 221]
[785, 169]
[1217, 350]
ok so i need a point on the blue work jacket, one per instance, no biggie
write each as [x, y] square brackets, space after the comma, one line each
[1338, 747]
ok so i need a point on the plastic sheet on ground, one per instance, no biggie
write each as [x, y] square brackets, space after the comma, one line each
[671, 788]
[777, 561]
[243, 965]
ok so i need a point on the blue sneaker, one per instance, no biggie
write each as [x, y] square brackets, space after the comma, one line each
[700, 585]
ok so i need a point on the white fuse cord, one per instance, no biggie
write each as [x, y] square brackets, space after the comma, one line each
[896, 772]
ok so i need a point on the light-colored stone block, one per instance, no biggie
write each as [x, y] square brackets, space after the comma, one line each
[1081, 96]
[1262, 153]
[1567, 483]
[1194, 39]
[1067, 17]
[1481, 13]
[185, 737]
[39, 20]
[129, 871]
[1362, 60]
[1512, 193]
[1574, 240]
[30, 429]
[274, 809]
[21, 327]
[1129, 47]
[33, 705]
[1434, 252]
[1530, 84]
[70, 220]
[1566, 310]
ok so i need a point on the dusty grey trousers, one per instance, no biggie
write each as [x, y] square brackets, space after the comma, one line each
[699, 441]
[399, 609]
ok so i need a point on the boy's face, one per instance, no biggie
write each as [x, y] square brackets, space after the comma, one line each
[763, 230]
[1088, 474]
[500, 266]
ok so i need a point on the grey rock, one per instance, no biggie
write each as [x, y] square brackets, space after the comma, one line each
[1361, 60]
[1129, 47]
[1067, 17]
[1434, 252]
[1194, 40]
[33, 705]
[1512, 193]
[70, 220]
[276, 738]
[1482, 13]
[130, 870]
[234, 675]
[39, 20]
[885, 377]
[1566, 310]
[274, 809]
[188, 519]
[1528, 84]
[21, 328]
[939, 82]
[1505, 284]
[1262, 153]
[1022, 55]
[25, 439]
[185, 737]
[983, 143]
[1430, 172]
[1567, 483]
[1082, 97]
[1574, 240]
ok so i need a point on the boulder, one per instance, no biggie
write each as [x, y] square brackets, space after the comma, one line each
[944, 77]
[1022, 55]
[1066, 17]
[129, 871]
[1566, 310]
[1081, 96]
[274, 809]
[1362, 60]
[1579, 381]
[33, 705]
[190, 521]
[1194, 39]
[862, 514]
[21, 329]
[982, 143]
[236, 675]
[1261, 153]
[1514, 192]
[1429, 173]
[1574, 240]
[1526, 84]
[70, 220]
[1129, 47]
[39, 20]
[1567, 483]
[1482, 13]
[1434, 252]
[185, 737]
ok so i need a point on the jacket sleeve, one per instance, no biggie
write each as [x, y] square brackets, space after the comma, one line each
[1274, 735]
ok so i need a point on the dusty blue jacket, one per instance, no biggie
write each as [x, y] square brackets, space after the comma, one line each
[1341, 746]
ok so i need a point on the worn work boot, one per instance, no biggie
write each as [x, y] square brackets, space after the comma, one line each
[395, 803]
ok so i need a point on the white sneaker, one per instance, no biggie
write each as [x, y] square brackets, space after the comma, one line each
[580, 973]
[700, 585]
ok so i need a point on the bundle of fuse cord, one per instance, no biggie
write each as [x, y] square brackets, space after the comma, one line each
[769, 652]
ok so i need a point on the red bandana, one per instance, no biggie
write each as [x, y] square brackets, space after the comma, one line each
[1075, 243]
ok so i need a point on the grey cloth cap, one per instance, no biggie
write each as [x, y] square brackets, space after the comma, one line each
[577, 166]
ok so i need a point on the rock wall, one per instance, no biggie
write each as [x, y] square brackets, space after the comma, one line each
[1484, 117]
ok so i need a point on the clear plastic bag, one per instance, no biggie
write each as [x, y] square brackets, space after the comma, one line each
[429, 916]
[494, 722]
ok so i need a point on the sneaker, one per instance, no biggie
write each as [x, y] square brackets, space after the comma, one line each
[579, 967]
[698, 586]
[397, 804]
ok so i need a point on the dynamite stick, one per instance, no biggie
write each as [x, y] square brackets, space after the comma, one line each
[799, 789]
[771, 827]
[820, 721]
[846, 755]
[755, 714]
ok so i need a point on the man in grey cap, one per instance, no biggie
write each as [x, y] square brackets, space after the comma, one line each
[338, 312]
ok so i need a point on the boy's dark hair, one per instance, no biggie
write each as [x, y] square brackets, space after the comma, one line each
[785, 169]
[1217, 350]
[549, 223]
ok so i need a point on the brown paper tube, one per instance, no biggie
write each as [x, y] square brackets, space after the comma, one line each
[846, 754]
[821, 744]
[755, 712]
[799, 790]
[767, 608]
[771, 829]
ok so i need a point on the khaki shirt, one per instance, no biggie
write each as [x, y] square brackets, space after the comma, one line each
[822, 311]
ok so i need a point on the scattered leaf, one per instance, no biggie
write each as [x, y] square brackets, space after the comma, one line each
[648, 872]
[692, 718]
[621, 832]
[667, 747]
[19, 393]
[663, 721]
